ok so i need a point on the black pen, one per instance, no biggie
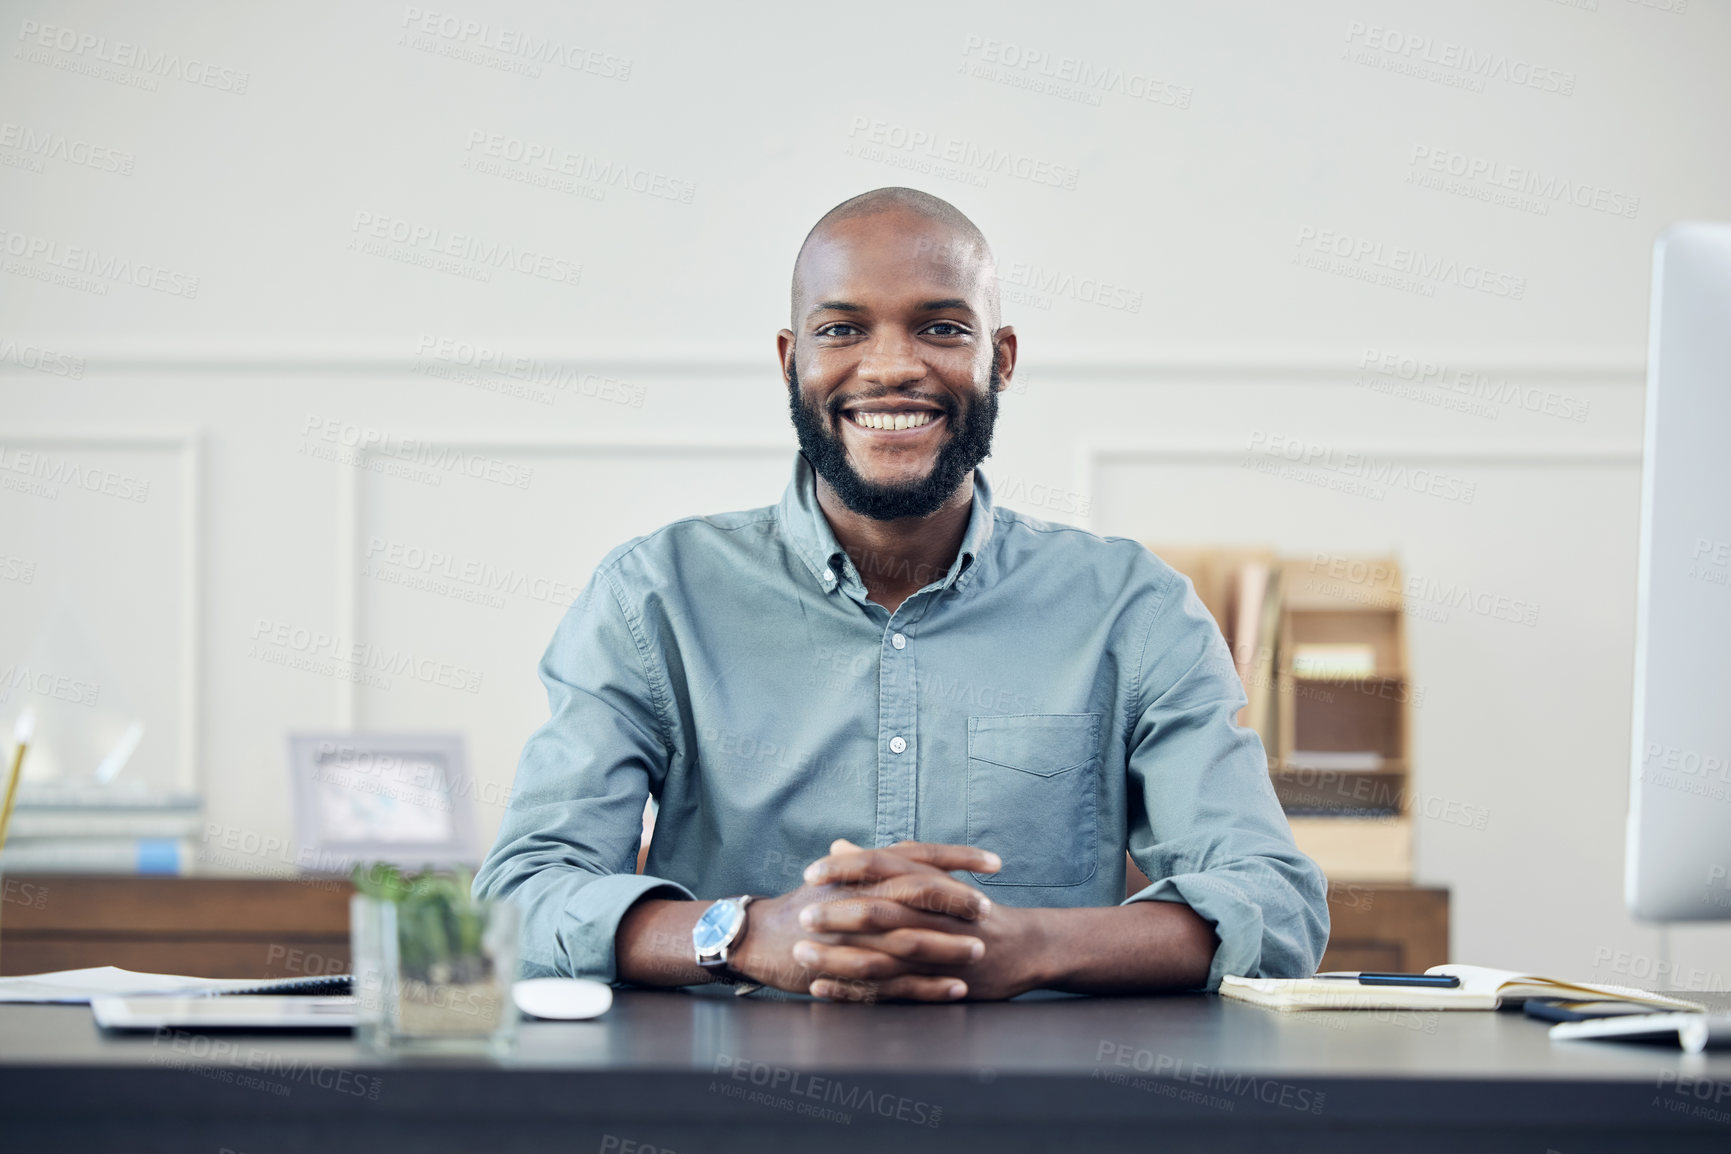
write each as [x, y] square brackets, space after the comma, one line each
[1437, 981]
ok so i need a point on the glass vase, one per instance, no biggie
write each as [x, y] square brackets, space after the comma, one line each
[434, 977]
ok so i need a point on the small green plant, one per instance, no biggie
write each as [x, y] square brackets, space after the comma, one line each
[439, 927]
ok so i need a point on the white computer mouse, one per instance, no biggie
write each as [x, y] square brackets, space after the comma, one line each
[567, 999]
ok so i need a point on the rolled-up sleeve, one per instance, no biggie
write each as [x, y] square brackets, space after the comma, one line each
[1204, 822]
[568, 845]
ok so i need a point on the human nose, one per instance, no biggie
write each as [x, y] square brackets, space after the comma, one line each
[890, 361]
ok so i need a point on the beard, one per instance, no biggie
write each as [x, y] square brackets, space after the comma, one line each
[969, 443]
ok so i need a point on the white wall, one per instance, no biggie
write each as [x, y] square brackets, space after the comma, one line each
[1269, 128]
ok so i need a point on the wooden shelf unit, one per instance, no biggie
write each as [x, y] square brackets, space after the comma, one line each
[1340, 746]
[1343, 761]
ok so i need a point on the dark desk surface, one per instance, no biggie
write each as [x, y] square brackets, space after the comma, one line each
[696, 1074]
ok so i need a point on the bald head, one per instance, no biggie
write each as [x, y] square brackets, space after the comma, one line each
[934, 232]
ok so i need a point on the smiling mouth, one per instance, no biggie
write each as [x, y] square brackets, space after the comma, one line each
[892, 420]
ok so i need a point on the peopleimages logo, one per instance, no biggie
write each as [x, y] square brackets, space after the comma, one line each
[526, 47]
[1518, 186]
[1409, 263]
[1440, 378]
[101, 265]
[873, 139]
[556, 160]
[348, 443]
[1083, 290]
[46, 683]
[125, 54]
[46, 144]
[17, 569]
[1068, 77]
[430, 241]
[41, 360]
[386, 555]
[804, 1093]
[329, 652]
[52, 471]
[532, 378]
[1407, 51]
[1170, 1068]
[1710, 560]
[1361, 467]
[1375, 586]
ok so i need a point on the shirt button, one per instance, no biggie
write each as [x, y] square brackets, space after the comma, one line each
[828, 577]
[899, 641]
[897, 745]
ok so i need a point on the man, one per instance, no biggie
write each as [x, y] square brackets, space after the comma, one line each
[845, 700]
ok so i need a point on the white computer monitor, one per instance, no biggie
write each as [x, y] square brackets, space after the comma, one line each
[1678, 866]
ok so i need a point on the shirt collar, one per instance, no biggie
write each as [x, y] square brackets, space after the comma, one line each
[809, 535]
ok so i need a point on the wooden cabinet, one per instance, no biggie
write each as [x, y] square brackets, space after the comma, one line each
[1377, 926]
[1387, 926]
[205, 927]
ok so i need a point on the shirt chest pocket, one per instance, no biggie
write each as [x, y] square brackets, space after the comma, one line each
[1033, 796]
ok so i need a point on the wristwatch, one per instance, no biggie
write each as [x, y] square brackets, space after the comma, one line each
[721, 925]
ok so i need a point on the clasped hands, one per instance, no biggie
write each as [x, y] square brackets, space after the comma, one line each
[891, 924]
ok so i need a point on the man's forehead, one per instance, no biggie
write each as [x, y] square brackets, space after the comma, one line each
[889, 249]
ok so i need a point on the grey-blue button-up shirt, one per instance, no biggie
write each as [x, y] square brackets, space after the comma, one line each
[1055, 697]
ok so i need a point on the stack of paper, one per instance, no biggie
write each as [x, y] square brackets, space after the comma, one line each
[76, 987]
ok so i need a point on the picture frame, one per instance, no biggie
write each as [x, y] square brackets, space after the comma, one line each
[402, 798]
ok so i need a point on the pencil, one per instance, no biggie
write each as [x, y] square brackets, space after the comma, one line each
[22, 733]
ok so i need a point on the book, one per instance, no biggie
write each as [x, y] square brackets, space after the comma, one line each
[1333, 661]
[1259, 713]
[75, 987]
[38, 820]
[1246, 614]
[1481, 988]
[1214, 571]
[107, 855]
[1358, 761]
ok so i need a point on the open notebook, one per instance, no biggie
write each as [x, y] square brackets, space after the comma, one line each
[76, 987]
[1481, 988]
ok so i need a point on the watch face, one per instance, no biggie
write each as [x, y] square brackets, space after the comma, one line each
[717, 926]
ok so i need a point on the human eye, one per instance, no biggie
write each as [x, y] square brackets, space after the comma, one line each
[947, 329]
[833, 329]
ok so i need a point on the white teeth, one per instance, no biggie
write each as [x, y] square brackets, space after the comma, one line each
[893, 420]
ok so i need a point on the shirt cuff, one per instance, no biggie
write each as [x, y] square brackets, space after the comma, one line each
[592, 917]
[1237, 920]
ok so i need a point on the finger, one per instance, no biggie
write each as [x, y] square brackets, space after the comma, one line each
[908, 988]
[847, 961]
[842, 845]
[934, 893]
[950, 857]
[905, 857]
[854, 914]
[926, 947]
[852, 911]
[857, 865]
